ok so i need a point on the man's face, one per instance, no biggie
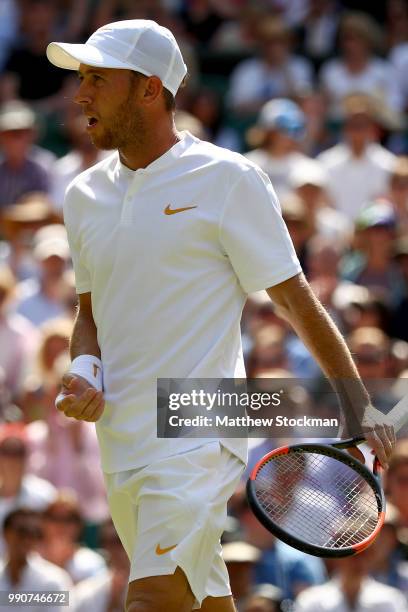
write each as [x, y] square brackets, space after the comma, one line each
[16, 143]
[109, 99]
[22, 537]
[360, 130]
[12, 460]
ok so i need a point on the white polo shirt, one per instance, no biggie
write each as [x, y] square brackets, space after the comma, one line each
[168, 289]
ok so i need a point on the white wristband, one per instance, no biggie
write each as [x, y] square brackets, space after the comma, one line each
[90, 368]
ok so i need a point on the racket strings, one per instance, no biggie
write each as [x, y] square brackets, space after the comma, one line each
[317, 499]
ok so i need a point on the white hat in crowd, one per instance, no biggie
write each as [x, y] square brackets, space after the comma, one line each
[16, 115]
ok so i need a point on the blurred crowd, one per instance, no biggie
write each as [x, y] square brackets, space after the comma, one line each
[316, 93]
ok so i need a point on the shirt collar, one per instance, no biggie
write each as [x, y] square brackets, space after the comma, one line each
[161, 162]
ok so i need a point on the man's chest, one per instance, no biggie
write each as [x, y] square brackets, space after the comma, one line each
[149, 227]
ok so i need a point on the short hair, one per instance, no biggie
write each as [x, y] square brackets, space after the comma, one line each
[169, 99]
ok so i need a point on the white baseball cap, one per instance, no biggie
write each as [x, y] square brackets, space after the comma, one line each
[141, 45]
[308, 172]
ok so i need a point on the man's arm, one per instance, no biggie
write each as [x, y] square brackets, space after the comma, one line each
[78, 398]
[296, 303]
[84, 338]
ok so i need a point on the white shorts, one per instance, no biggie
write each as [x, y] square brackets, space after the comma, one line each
[173, 512]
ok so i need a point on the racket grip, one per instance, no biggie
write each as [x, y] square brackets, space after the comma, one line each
[344, 444]
[377, 467]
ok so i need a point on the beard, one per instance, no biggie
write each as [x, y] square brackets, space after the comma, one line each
[125, 127]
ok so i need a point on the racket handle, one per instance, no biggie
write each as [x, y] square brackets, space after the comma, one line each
[343, 444]
[377, 467]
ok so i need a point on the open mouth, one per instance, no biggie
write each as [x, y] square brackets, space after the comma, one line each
[92, 121]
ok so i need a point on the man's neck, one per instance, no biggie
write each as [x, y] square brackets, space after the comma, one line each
[156, 143]
[351, 586]
[358, 150]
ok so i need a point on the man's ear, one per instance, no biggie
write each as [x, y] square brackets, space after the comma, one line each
[153, 90]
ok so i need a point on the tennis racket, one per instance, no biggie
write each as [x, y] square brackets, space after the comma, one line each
[318, 498]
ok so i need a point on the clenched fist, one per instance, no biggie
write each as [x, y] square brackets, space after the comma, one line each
[79, 399]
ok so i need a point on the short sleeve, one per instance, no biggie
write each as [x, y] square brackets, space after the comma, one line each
[82, 276]
[254, 235]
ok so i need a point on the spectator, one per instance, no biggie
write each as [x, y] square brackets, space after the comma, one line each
[264, 598]
[277, 135]
[201, 20]
[82, 155]
[206, 107]
[397, 24]
[371, 350]
[398, 192]
[323, 257]
[28, 58]
[276, 73]
[43, 299]
[9, 22]
[358, 307]
[372, 265]
[64, 452]
[19, 222]
[399, 328]
[113, 10]
[268, 350]
[279, 564]
[240, 558]
[62, 528]
[358, 168]
[18, 338]
[19, 174]
[310, 182]
[358, 70]
[352, 589]
[187, 121]
[299, 224]
[397, 481]
[397, 31]
[317, 33]
[106, 591]
[387, 564]
[54, 342]
[240, 35]
[19, 489]
[24, 569]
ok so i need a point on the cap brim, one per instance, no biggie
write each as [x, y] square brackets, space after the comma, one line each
[70, 56]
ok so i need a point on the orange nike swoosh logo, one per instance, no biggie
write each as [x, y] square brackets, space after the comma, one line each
[174, 211]
[163, 551]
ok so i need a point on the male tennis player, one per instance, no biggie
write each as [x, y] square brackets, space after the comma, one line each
[168, 235]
